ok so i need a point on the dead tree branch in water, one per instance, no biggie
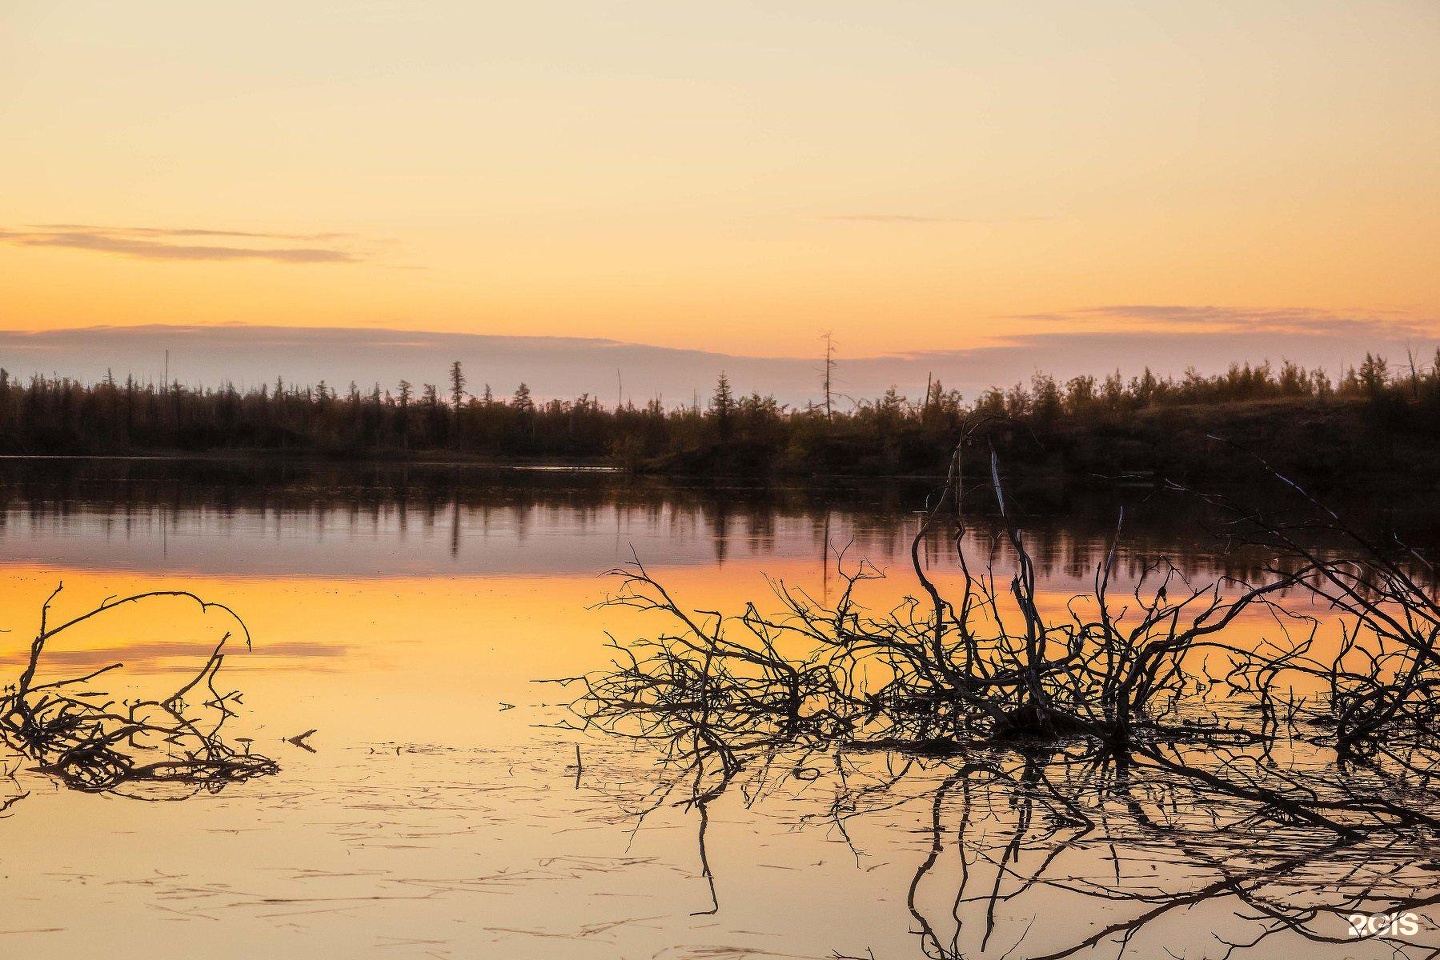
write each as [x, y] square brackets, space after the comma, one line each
[90, 742]
[1151, 679]
[1141, 718]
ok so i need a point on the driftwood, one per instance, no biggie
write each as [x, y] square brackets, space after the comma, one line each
[89, 741]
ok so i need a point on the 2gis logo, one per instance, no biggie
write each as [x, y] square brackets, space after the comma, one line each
[1383, 924]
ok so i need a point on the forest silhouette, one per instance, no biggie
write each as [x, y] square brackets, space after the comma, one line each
[1376, 419]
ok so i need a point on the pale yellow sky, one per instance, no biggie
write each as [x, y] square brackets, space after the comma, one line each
[735, 177]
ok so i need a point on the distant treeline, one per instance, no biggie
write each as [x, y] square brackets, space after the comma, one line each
[1374, 418]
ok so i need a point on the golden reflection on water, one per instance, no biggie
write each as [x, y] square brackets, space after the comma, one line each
[430, 822]
[440, 816]
[425, 658]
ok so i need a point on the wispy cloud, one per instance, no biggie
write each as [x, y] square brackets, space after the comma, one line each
[159, 243]
[1161, 318]
[913, 218]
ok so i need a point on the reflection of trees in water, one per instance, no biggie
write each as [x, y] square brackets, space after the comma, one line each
[719, 523]
[1067, 533]
[1129, 725]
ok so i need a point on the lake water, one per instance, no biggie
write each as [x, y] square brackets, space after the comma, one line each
[406, 617]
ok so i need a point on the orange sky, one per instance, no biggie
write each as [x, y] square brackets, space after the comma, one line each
[735, 177]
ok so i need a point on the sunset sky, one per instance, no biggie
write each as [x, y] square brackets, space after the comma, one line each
[730, 177]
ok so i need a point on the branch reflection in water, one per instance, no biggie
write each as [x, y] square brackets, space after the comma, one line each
[1129, 759]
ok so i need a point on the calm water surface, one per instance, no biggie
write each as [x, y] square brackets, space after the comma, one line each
[441, 813]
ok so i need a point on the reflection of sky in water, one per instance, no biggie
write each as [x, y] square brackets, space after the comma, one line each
[437, 820]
